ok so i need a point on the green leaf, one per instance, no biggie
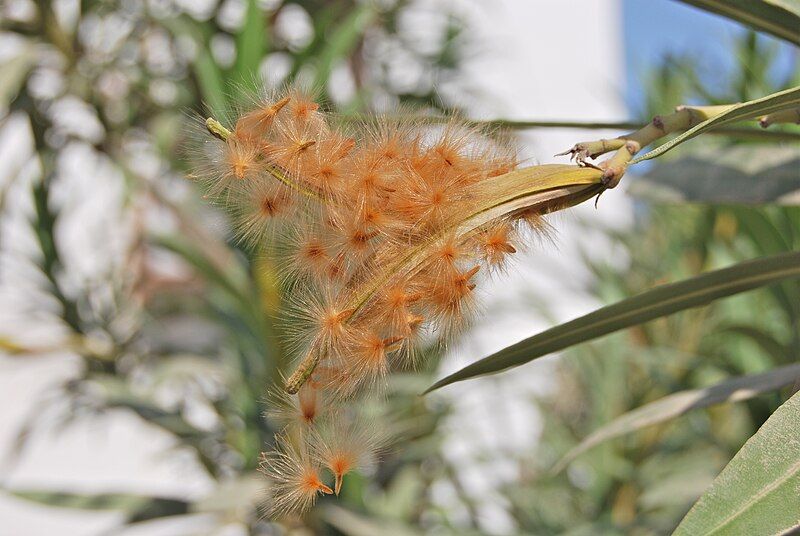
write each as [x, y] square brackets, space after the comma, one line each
[234, 496]
[353, 524]
[676, 404]
[207, 73]
[757, 493]
[209, 76]
[741, 132]
[343, 41]
[119, 395]
[766, 342]
[660, 301]
[780, 18]
[223, 272]
[781, 100]
[250, 44]
[137, 507]
[15, 71]
[744, 174]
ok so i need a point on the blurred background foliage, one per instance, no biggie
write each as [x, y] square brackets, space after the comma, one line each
[184, 330]
[645, 482]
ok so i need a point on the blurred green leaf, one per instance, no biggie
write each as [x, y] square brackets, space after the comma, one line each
[764, 340]
[757, 493]
[137, 507]
[781, 100]
[342, 40]
[44, 224]
[741, 133]
[745, 174]
[251, 44]
[353, 524]
[227, 275]
[660, 301]
[674, 405]
[768, 239]
[234, 497]
[15, 72]
[780, 18]
[207, 72]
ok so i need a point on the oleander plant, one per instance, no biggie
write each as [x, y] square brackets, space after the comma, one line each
[386, 232]
[353, 245]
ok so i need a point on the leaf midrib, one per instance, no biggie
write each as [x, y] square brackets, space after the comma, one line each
[793, 472]
[682, 297]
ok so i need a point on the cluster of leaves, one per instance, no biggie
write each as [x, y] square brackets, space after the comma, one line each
[633, 386]
[616, 456]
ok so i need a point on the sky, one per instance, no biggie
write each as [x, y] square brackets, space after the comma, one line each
[655, 28]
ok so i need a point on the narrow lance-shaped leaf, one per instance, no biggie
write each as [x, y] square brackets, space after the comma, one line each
[780, 18]
[741, 132]
[759, 490]
[342, 41]
[208, 74]
[660, 301]
[354, 524]
[136, 507]
[250, 43]
[676, 404]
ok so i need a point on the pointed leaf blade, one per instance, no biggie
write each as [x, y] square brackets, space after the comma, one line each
[660, 301]
[757, 493]
[676, 404]
[780, 18]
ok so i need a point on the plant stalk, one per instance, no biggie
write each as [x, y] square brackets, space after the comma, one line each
[626, 147]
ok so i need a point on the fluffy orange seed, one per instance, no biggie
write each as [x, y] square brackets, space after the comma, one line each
[302, 108]
[294, 147]
[259, 204]
[302, 409]
[345, 443]
[295, 477]
[395, 306]
[308, 403]
[312, 256]
[394, 191]
[253, 125]
[452, 298]
[367, 355]
[333, 325]
[495, 243]
[242, 158]
[319, 322]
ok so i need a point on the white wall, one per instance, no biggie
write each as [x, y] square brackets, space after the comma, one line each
[544, 59]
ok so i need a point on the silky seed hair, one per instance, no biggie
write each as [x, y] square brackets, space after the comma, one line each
[341, 210]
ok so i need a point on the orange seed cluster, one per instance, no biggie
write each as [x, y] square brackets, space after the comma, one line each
[343, 212]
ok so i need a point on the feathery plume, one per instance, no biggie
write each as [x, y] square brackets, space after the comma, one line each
[382, 232]
[295, 477]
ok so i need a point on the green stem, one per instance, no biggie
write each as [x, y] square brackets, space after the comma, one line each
[684, 118]
[302, 372]
[217, 129]
[791, 115]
